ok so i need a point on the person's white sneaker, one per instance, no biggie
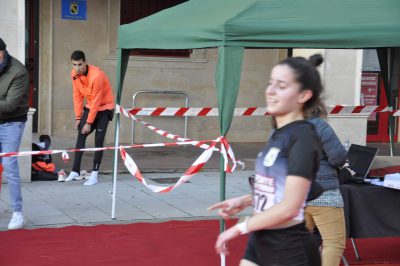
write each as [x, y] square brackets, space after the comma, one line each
[84, 175]
[71, 176]
[61, 175]
[17, 221]
[92, 180]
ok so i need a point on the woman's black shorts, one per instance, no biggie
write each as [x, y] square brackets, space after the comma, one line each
[292, 246]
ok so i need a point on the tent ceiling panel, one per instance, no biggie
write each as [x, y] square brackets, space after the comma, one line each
[268, 23]
[193, 24]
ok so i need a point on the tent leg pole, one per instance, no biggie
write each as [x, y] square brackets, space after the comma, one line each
[222, 194]
[222, 191]
[115, 166]
[355, 249]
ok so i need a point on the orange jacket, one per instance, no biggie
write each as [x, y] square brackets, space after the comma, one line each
[96, 88]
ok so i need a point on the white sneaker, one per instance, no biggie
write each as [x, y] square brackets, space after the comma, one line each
[17, 221]
[61, 175]
[71, 176]
[92, 180]
[83, 175]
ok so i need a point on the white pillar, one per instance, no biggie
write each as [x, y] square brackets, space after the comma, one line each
[21, 32]
[12, 30]
[26, 145]
[341, 76]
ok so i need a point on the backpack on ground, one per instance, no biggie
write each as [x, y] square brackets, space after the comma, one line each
[43, 167]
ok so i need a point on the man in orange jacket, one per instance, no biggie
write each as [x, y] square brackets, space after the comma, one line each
[89, 82]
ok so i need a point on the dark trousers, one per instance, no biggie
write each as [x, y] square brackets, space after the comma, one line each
[100, 124]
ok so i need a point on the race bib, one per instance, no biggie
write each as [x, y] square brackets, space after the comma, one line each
[264, 193]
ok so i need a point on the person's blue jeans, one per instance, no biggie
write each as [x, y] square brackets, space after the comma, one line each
[10, 139]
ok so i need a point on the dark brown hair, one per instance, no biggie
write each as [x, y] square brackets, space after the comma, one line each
[308, 77]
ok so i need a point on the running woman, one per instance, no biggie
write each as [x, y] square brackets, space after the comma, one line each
[285, 170]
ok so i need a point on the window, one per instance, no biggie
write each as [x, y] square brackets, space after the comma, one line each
[132, 10]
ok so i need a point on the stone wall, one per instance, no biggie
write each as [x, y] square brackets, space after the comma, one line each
[97, 36]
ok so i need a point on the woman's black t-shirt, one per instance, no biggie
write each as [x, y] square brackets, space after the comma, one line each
[294, 149]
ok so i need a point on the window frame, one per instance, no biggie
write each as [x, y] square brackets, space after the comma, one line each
[133, 10]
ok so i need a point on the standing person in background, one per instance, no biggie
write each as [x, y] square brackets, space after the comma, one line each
[14, 95]
[326, 212]
[285, 170]
[89, 82]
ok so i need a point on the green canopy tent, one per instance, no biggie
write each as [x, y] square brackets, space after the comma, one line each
[232, 25]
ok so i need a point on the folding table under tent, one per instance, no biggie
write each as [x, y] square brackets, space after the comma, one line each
[233, 25]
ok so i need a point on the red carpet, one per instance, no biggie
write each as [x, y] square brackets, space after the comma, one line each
[375, 251]
[170, 243]
[176, 243]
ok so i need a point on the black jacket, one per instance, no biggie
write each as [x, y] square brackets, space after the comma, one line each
[334, 155]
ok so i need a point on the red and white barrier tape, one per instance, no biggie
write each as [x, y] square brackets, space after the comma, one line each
[126, 113]
[65, 155]
[190, 172]
[251, 111]
[361, 109]
[195, 168]
[225, 150]
[192, 111]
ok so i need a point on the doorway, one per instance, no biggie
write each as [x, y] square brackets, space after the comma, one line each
[31, 59]
[378, 123]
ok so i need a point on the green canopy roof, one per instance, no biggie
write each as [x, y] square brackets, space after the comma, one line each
[268, 23]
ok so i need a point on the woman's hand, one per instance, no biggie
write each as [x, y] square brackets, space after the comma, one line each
[232, 206]
[223, 238]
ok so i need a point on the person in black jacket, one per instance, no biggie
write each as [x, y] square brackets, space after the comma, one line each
[326, 212]
[14, 93]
